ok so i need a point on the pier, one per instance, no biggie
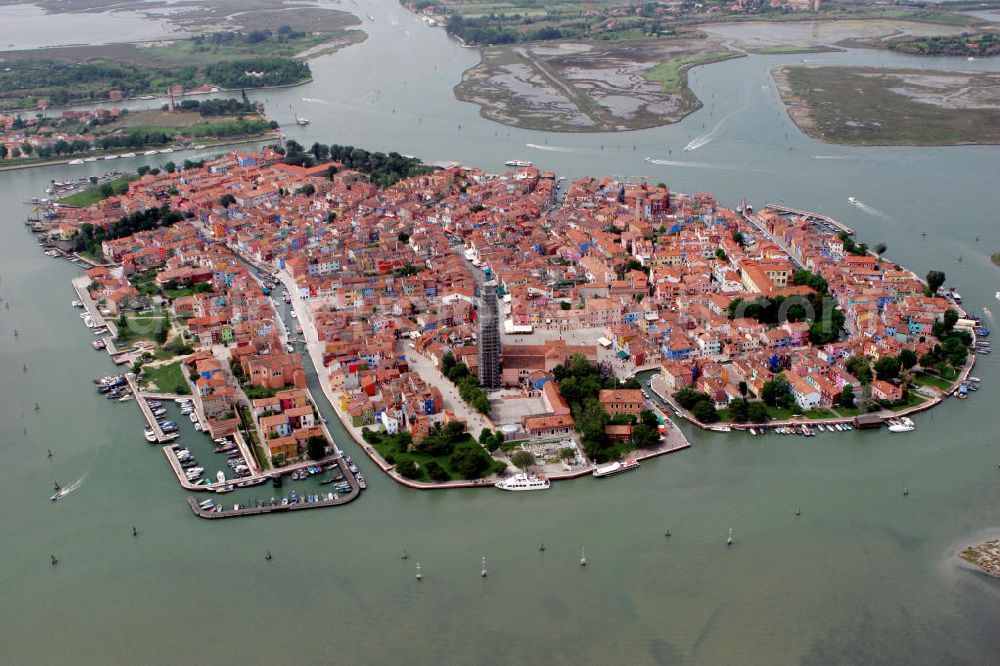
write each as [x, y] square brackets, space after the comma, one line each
[80, 287]
[147, 411]
[811, 217]
[211, 514]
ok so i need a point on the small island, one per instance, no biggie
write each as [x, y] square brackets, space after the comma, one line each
[867, 106]
[104, 132]
[232, 60]
[986, 556]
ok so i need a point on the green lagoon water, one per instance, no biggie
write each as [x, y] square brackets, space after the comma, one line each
[864, 575]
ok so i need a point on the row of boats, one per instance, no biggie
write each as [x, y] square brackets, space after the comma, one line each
[92, 158]
[523, 481]
[292, 499]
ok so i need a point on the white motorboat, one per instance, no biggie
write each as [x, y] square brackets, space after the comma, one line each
[518, 163]
[615, 468]
[522, 481]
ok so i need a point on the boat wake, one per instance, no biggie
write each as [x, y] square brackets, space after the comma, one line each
[554, 149]
[66, 490]
[871, 210]
[710, 135]
[831, 157]
[693, 165]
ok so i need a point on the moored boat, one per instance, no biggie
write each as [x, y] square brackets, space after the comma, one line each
[615, 468]
[522, 481]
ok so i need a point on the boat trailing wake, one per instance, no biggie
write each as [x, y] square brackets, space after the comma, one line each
[871, 210]
[554, 149]
[831, 157]
[694, 165]
[66, 490]
[710, 135]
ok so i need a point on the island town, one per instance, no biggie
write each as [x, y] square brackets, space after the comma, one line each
[473, 329]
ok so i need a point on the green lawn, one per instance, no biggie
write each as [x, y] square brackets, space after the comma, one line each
[92, 195]
[912, 400]
[141, 327]
[926, 379]
[168, 378]
[670, 74]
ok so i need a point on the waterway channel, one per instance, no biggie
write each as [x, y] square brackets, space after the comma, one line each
[863, 575]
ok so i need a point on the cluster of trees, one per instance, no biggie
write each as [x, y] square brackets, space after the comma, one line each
[219, 107]
[952, 348]
[967, 44]
[497, 28]
[851, 247]
[240, 126]
[272, 70]
[827, 320]
[464, 456]
[580, 382]
[468, 384]
[233, 37]
[701, 406]
[383, 169]
[90, 237]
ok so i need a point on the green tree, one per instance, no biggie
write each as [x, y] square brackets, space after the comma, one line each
[861, 367]
[847, 396]
[523, 459]
[226, 200]
[436, 472]
[470, 461]
[739, 410]
[757, 412]
[705, 412]
[934, 281]
[316, 447]
[908, 358]
[777, 393]
[887, 368]
[407, 467]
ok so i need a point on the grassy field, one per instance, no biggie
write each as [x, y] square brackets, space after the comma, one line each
[671, 75]
[167, 378]
[92, 195]
[995, 258]
[925, 379]
[868, 106]
[790, 48]
[141, 327]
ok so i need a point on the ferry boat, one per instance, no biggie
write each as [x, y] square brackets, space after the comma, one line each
[518, 163]
[522, 481]
[615, 468]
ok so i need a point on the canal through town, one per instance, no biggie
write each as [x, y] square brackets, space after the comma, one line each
[864, 574]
